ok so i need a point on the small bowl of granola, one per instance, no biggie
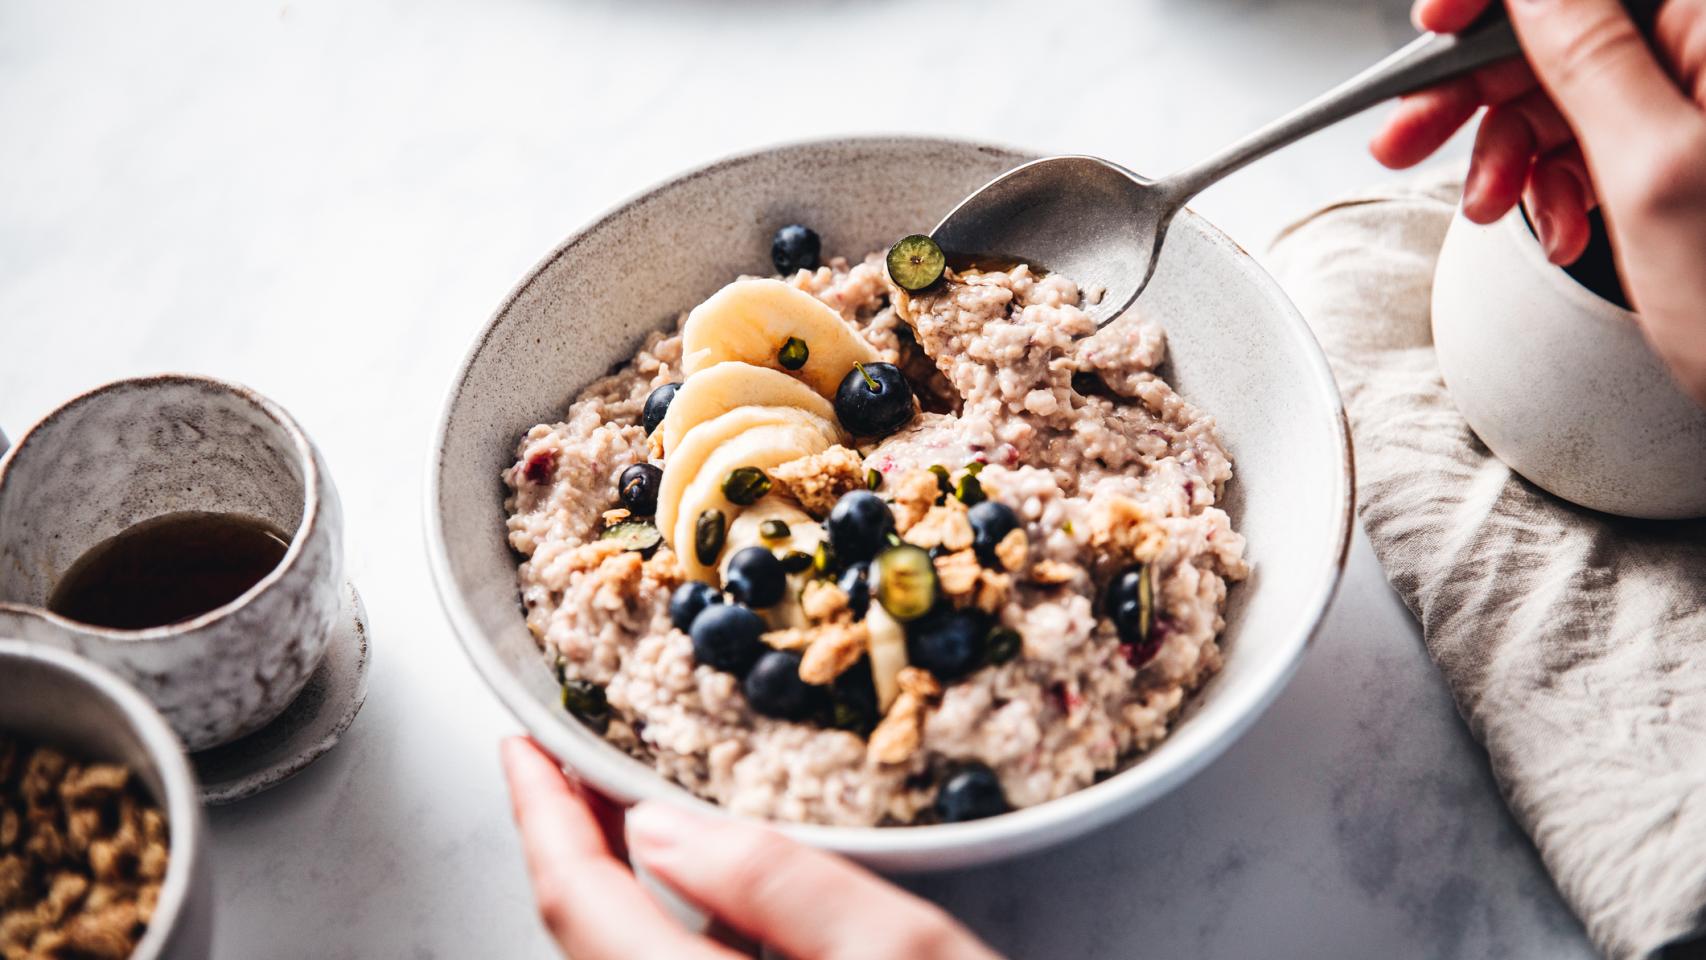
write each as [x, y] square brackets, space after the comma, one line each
[102, 840]
[816, 522]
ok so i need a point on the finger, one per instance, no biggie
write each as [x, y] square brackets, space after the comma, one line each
[1680, 35]
[804, 902]
[1446, 16]
[592, 904]
[1590, 57]
[609, 815]
[1425, 120]
[1558, 204]
[1510, 136]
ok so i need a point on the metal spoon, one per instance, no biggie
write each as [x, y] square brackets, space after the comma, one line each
[1103, 225]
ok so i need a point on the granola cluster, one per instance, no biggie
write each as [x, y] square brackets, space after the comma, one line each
[83, 852]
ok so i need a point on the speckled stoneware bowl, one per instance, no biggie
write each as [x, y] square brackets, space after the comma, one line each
[136, 449]
[1238, 349]
[60, 699]
[1558, 382]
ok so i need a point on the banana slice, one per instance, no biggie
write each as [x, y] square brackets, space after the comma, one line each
[887, 648]
[721, 387]
[750, 320]
[682, 466]
[763, 447]
[804, 534]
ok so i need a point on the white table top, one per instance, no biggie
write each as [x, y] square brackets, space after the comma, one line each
[326, 199]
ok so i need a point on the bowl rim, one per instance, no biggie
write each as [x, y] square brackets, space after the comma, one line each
[1193, 745]
[165, 751]
[311, 502]
[1573, 291]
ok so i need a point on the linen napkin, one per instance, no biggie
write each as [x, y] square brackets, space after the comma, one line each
[1573, 642]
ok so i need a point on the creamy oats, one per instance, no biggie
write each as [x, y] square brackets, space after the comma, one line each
[1106, 468]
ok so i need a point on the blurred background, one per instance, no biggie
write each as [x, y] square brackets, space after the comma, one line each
[325, 198]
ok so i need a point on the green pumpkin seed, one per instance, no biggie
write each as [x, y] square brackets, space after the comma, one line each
[586, 701]
[793, 354]
[974, 468]
[873, 478]
[969, 491]
[774, 530]
[1003, 645]
[823, 560]
[708, 534]
[796, 561]
[944, 482]
[745, 485]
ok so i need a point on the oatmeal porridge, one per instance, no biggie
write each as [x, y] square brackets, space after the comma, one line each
[880, 543]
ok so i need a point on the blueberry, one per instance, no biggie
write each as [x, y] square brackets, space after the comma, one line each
[726, 636]
[1130, 603]
[657, 404]
[795, 248]
[970, 792]
[856, 583]
[755, 577]
[948, 643]
[773, 687]
[638, 488]
[874, 400]
[859, 525]
[991, 522]
[688, 600]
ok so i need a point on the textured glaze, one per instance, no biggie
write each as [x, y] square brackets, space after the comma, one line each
[307, 729]
[1558, 382]
[136, 449]
[1238, 348]
[66, 701]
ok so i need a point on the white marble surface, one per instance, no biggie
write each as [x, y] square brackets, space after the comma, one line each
[324, 199]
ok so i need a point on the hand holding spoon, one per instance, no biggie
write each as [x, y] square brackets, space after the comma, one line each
[1104, 225]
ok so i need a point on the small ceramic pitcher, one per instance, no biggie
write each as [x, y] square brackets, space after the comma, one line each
[137, 449]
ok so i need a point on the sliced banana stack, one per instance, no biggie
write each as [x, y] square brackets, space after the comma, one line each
[704, 500]
[717, 389]
[763, 361]
[684, 465]
[753, 320]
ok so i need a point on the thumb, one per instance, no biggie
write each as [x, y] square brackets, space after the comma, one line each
[1591, 58]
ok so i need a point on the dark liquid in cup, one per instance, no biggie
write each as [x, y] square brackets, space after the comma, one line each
[168, 570]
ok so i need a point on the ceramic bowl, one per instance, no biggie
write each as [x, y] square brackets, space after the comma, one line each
[1238, 349]
[1558, 382]
[63, 700]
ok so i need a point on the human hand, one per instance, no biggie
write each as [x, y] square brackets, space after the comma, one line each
[807, 904]
[1590, 118]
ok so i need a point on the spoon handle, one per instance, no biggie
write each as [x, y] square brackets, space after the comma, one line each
[1425, 61]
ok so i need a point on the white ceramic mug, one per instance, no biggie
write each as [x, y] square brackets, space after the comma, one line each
[137, 449]
[1558, 382]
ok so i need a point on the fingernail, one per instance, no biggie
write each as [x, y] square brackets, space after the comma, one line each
[1543, 229]
[656, 826]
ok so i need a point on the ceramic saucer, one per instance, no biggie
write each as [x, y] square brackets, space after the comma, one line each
[309, 727]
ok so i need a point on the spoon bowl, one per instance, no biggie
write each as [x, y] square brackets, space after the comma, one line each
[1084, 217]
